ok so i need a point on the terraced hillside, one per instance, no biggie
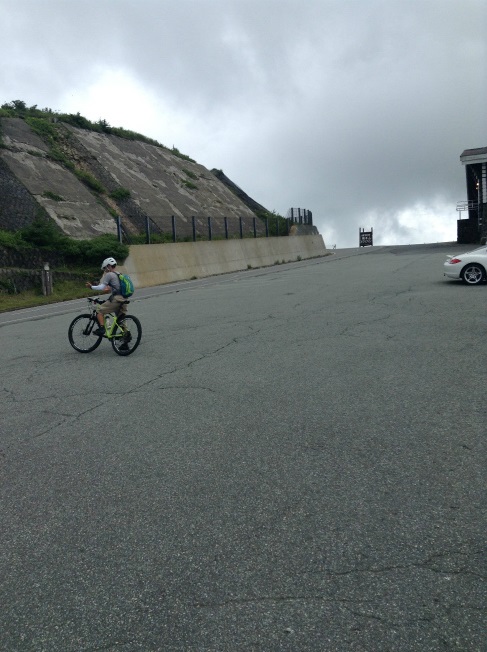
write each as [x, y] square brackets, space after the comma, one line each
[84, 179]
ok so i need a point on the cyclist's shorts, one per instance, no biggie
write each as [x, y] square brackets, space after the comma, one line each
[113, 304]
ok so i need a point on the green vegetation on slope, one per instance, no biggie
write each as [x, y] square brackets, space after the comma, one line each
[83, 254]
[80, 258]
[46, 120]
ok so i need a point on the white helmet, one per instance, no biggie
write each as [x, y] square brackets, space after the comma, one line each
[108, 261]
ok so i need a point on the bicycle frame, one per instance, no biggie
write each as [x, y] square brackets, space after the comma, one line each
[110, 332]
[122, 330]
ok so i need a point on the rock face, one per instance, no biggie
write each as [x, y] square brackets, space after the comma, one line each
[84, 179]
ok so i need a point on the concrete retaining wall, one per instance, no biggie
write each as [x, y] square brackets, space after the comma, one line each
[165, 263]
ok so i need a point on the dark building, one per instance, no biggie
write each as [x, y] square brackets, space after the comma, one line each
[473, 229]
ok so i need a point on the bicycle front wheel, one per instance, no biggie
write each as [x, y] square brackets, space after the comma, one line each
[127, 336]
[80, 334]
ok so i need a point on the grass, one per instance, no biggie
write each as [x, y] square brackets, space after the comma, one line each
[52, 195]
[41, 120]
[62, 291]
[190, 174]
[90, 181]
[120, 194]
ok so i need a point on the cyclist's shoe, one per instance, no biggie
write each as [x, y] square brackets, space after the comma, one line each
[124, 347]
[99, 331]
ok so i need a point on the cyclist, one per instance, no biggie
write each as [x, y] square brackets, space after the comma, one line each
[115, 302]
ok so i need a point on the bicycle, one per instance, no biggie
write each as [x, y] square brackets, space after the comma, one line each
[124, 332]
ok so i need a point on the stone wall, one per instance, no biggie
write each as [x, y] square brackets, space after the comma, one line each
[21, 270]
[17, 206]
[29, 258]
[13, 281]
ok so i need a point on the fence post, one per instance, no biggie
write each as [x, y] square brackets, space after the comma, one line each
[193, 220]
[277, 226]
[255, 227]
[209, 229]
[266, 227]
[147, 230]
[225, 220]
[173, 222]
[46, 280]
[240, 227]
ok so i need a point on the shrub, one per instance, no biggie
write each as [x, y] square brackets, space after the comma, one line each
[190, 174]
[141, 238]
[16, 105]
[7, 286]
[76, 120]
[43, 128]
[120, 194]
[52, 195]
[185, 157]
[11, 240]
[160, 238]
[90, 181]
[73, 250]
[43, 233]
[94, 251]
[57, 155]
[273, 219]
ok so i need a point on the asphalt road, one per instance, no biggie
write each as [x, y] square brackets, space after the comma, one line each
[293, 459]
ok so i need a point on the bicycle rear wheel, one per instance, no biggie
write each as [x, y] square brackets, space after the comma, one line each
[80, 334]
[127, 336]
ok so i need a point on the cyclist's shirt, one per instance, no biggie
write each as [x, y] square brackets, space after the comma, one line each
[111, 279]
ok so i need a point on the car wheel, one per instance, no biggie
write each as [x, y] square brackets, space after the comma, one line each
[473, 274]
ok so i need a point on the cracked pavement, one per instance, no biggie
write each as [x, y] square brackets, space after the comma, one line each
[293, 459]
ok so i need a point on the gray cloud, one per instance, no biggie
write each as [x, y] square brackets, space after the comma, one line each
[355, 110]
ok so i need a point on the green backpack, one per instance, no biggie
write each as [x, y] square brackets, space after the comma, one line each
[126, 285]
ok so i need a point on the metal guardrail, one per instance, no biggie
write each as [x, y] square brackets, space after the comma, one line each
[208, 228]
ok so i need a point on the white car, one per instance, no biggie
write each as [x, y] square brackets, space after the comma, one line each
[470, 267]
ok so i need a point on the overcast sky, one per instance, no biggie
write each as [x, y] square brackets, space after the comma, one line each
[355, 109]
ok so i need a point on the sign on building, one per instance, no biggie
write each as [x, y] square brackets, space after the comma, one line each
[366, 237]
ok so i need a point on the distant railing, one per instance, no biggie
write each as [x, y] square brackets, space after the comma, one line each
[466, 206]
[174, 228]
[300, 216]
